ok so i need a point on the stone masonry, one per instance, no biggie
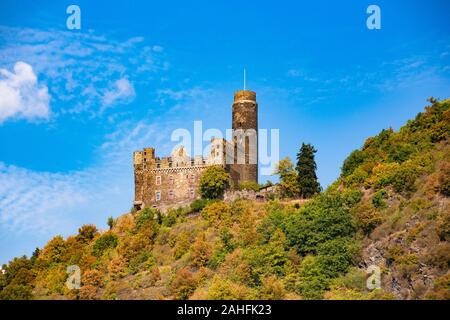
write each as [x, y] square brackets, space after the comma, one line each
[173, 181]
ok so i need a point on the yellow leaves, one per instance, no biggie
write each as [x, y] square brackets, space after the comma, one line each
[217, 213]
[201, 252]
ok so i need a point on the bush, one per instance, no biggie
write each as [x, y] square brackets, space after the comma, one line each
[184, 284]
[249, 185]
[145, 216]
[217, 213]
[272, 289]
[313, 282]
[86, 233]
[143, 259]
[351, 197]
[224, 289]
[201, 252]
[16, 292]
[105, 242]
[198, 205]
[355, 159]
[367, 218]
[378, 199]
[336, 256]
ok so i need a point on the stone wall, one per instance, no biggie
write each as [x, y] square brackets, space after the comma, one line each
[261, 195]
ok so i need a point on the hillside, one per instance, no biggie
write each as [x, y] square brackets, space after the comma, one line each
[389, 208]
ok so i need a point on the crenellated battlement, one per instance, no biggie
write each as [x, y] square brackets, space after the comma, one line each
[174, 180]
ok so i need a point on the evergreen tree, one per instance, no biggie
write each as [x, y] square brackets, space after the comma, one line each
[306, 171]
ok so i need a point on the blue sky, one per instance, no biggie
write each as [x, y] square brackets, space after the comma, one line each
[137, 70]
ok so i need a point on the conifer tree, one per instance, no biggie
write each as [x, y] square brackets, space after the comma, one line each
[306, 171]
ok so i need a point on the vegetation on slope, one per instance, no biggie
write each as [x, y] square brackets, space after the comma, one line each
[389, 208]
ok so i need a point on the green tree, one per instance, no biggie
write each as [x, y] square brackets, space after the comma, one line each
[110, 222]
[288, 178]
[306, 171]
[106, 241]
[86, 233]
[213, 182]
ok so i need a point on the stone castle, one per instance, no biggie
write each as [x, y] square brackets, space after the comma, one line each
[174, 180]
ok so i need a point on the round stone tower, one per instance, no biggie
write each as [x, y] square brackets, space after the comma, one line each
[245, 137]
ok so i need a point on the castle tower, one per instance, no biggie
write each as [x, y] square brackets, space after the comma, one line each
[245, 137]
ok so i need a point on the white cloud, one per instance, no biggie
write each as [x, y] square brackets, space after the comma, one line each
[21, 96]
[122, 91]
[58, 203]
[157, 49]
[70, 62]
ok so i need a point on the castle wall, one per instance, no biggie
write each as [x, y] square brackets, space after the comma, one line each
[174, 181]
[171, 181]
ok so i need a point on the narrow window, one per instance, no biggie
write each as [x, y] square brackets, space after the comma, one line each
[192, 193]
[171, 180]
[170, 194]
[158, 195]
[158, 180]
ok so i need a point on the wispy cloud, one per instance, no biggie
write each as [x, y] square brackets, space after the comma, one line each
[44, 202]
[85, 70]
[122, 90]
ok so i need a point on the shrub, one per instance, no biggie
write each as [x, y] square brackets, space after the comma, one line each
[217, 213]
[358, 176]
[92, 277]
[272, 289]
[336, 256]
[351, 197]
[143, 259]
[184, 284]
[198, 205]
[355, 159]
[444, 179]
[144, 216]
[367, 218]
[182, 245]
[249, 185]
[116, 268]
[16, 292]
[224, 289]
[105, 242]
[201, 252]
[86, 233]
[313, 282]
[378, 199]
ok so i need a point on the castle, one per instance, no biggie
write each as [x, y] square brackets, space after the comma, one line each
[174, 180]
